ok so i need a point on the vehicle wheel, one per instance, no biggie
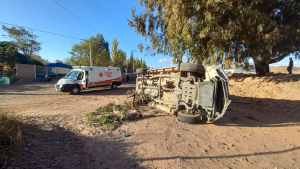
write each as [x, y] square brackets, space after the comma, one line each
[186, 118]
[141, 71]
[74, 90]
[114, 86]
[192, 67]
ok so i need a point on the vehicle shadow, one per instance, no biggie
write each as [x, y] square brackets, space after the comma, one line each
[277, 78]
[53, 146]
[256, 112]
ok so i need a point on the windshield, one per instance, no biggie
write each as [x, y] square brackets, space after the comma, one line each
[71, 74]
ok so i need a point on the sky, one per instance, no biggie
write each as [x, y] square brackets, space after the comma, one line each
[108, 17]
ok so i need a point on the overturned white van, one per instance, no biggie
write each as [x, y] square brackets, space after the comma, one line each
[83, 78]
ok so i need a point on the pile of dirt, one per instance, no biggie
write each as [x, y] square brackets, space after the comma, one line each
[280, 94]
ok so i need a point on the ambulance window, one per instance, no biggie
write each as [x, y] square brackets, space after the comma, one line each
[80, 76]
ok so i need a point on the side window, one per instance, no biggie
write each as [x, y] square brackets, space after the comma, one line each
[80, 76]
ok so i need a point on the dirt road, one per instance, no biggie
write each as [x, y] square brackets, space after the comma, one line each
[257, 131]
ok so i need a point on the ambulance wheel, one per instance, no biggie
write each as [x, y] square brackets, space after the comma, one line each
[74, 90]
[114, 86]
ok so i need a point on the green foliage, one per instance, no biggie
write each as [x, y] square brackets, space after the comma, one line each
[129, 63]
[8, 53]
[140, 99]
[9, 56]
[137, 64]
[212, 32]
[100, 52]
[104, 115]
[24, 40]
[118, 56]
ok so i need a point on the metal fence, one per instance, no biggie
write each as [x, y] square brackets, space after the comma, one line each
[41, 71]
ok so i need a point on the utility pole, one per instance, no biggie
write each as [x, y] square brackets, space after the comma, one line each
[91, 53]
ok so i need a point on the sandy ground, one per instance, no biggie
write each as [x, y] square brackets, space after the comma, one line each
[261, 129]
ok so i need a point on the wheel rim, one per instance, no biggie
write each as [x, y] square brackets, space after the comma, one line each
[114, 86]
[75, 90]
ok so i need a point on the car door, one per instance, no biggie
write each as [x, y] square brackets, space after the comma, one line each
[81, 80]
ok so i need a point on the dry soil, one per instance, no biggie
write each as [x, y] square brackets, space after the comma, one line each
[259, 130]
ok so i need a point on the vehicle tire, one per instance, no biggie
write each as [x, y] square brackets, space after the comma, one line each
[74, 90]
[141, 71]
[192, 67]
[186, 118]
[114, 86]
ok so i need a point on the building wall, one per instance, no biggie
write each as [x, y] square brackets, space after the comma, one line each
[132, 77]
[25, 71]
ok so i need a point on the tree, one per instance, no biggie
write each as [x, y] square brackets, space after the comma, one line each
[117, 55]
[37, 57]
[24, 40]
[216, 32]
[129, 63]
[100, 52]
[144, 65]
[137, 64]
[46, 62]
[67, 61]
[58, 61]
[8, 53]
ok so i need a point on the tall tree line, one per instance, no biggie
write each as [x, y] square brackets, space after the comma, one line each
[102, 56]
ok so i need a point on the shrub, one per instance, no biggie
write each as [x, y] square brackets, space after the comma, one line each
[10, 136]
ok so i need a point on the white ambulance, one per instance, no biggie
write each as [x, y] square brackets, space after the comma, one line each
[83, 78]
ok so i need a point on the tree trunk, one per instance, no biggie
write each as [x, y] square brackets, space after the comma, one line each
[261, 68]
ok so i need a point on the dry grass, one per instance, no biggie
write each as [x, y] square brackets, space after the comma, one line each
[10, 136]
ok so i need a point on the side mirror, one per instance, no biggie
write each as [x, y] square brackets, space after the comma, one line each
[75, 78]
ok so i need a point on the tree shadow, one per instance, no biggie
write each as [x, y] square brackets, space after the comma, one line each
[256, 112]
[277, 78]
[52, 146]
[223, 156]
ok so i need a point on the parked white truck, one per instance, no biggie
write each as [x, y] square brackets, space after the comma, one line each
[190, 91]
[89, 77]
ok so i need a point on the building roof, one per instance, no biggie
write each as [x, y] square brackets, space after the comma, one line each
[59, 65]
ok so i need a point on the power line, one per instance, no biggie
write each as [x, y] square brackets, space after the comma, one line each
[93, 8]
[42, 31]
[106, 16]
[75, 16]
[97, 12]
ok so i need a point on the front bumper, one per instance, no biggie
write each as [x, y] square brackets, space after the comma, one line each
[62, 87]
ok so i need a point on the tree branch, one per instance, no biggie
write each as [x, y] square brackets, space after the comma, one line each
[279, 58]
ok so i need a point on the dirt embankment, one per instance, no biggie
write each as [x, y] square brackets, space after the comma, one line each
[283, 69]
[278, 94]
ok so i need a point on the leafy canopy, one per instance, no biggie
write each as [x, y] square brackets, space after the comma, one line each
[214, 31]
[100, 52]
[117, 55]
[24, 40]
